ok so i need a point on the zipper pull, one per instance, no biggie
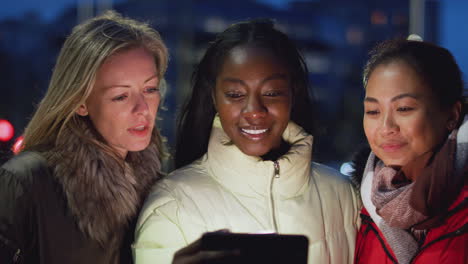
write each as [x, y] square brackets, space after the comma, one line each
[277, 169]
[17, 256]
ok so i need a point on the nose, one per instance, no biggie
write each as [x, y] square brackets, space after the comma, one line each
[389, 125]
[254, 108]
[141, 106]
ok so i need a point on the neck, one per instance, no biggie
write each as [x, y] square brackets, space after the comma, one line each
[275, 153]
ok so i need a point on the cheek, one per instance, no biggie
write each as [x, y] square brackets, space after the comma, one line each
[369, 130]
[154, 105]
[111, 126]
[228, 113]
[228, 122]
[425, 134]
[109, 120]
[280, 112]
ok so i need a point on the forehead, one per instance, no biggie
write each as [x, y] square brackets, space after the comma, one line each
[396, 78]
[127, 64]
[256, 59]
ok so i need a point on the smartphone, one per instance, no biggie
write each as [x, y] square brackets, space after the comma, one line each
[260, 248]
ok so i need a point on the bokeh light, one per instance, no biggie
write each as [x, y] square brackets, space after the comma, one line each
[6, 130]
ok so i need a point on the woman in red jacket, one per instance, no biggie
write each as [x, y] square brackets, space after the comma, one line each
[413, 185]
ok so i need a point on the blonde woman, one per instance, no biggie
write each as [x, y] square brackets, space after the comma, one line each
[91, 150]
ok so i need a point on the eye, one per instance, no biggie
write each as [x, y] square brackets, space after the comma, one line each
[152, 90]
[274, 93]
[234, 95]
[119, 98]
[405, 109]
[372, 112]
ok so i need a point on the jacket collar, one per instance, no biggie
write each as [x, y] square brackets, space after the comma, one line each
[103, 194]
[251, 176]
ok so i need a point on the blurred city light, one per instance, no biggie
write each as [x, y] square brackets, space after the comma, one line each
[347, 168]
[6, 130]
[18, 145]
[378, 18]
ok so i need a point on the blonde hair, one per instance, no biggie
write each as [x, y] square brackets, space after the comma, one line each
[83, 52]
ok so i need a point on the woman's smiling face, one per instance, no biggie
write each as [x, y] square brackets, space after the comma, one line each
[402, 117]
[253, 99]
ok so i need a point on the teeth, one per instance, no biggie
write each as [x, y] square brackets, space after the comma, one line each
[254, 131]
[140, 128]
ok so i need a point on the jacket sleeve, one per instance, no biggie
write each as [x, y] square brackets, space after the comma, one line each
[343, 204]
[15, 207]
[158, 234]
[350, 197]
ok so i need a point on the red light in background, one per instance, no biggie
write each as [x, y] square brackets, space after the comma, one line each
[6, 130]
[18, 145]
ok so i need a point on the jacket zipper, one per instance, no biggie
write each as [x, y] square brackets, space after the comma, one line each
[276, 174]
[17, 256]
[462, 230]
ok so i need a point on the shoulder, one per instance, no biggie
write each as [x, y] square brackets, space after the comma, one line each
[336, 193]
[17, 192]
[190, 177]
[192, 172]
[458, 211]
[327, 175]
[176, 189]
[330, 182]
[24, 167]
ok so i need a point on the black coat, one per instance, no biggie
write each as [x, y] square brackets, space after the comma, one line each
[35, 222]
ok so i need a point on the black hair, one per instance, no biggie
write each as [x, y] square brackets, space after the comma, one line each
[434, 65]
[196, 117]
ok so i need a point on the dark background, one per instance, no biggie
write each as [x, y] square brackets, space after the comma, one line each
[334, 37]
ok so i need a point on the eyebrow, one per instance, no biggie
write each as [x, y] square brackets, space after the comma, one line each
[398, 97]
[128, 86]
[276, 76]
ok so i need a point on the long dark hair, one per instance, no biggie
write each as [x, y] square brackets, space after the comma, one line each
[196, 117]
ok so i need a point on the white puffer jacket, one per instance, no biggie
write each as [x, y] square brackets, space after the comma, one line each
[228, 189]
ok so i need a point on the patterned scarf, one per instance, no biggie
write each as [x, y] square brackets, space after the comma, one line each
[397, 204]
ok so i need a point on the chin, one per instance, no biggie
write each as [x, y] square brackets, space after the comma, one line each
[394, 162]
[138, 147]
[254, 152]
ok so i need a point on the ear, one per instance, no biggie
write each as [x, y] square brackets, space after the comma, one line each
[454, 116]
[82, 110]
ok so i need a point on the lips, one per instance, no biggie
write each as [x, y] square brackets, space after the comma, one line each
[392, 146]
[254, 133]
[139, 130]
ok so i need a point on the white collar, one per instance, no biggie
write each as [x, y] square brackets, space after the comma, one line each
[250, 175]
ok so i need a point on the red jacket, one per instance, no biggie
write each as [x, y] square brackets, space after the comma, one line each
[444, 244]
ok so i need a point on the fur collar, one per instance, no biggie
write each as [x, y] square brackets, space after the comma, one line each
[103, 193]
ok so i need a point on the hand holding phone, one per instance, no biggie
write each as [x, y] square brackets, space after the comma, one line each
[194, 253]
[259, 248]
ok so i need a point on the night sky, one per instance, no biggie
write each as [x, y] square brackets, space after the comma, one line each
[452, 15]
[48, 9]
